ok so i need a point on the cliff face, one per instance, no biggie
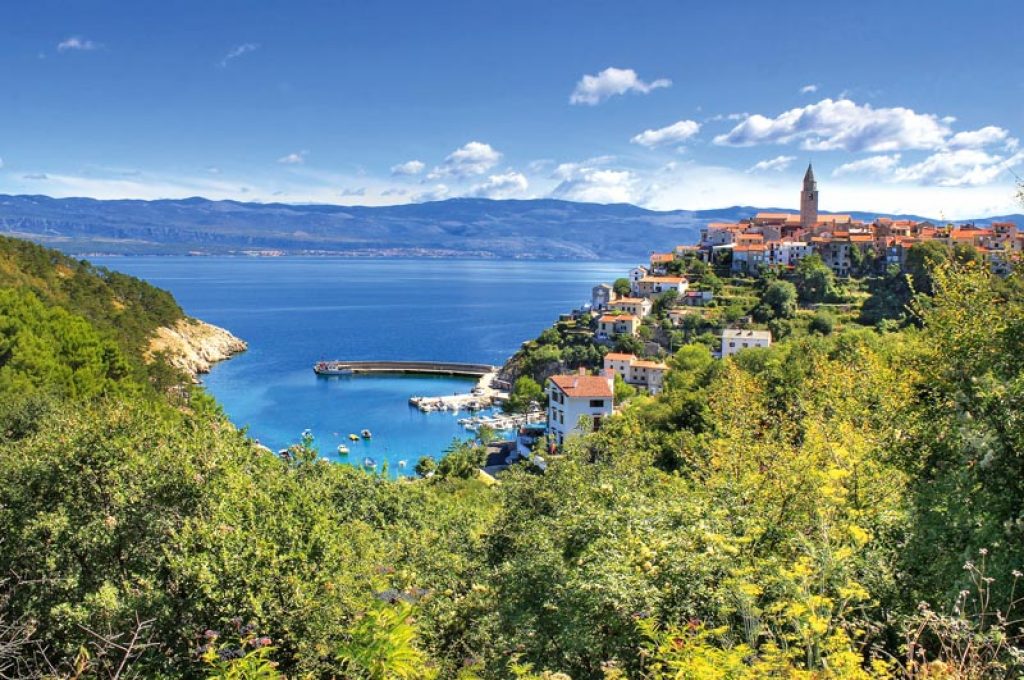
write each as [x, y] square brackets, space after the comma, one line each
[194, 345]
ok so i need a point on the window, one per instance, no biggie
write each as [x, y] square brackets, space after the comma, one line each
[596, 403]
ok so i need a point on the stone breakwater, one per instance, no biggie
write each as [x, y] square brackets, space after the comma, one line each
[193, 345]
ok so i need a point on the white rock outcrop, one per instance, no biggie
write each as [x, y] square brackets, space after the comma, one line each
[193, 345]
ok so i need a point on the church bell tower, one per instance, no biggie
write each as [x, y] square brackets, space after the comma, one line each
[809, 200]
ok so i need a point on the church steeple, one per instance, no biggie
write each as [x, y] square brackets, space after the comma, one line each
[809, 200]
[809, 183]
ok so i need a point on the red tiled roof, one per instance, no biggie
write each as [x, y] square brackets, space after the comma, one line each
[583, 385]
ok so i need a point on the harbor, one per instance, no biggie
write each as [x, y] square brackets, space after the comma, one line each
[484, 395]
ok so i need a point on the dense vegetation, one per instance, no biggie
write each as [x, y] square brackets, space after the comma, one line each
[783, 513]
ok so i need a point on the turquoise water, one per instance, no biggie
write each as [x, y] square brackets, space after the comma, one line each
[294, 311]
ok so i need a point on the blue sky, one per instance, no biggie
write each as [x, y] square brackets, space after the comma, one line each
[901, 106]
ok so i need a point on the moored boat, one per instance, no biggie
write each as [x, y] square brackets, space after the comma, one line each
[342, 450]
[366, 434]
[331, 368]
[353, 437]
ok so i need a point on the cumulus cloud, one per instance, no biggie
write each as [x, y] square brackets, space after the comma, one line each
[842, 125]
[590, 182]
[809, 89]
[238, 51]
[777, 164]
[37, 176]
[408, 168]
[395, 191]
[473, 158]
[77, 44]
[676, 132]
[977, 139]
[592, 90]
[946, 168]
[962, 167]
[506, 185]
[360, 191]
[297, 158]
[873, 165]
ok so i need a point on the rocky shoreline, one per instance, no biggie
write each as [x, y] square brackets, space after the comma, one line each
[193, 346]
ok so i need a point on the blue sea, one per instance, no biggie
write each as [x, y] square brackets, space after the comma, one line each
[294, 311]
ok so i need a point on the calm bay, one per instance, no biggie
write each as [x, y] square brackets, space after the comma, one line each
[294, 311]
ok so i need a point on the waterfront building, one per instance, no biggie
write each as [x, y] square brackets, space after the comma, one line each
[578, 399]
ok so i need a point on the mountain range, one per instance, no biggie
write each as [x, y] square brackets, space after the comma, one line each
[463, 227]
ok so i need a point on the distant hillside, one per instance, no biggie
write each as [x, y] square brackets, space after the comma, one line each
[533, 229]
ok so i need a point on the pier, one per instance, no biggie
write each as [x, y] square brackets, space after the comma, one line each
[452, 368]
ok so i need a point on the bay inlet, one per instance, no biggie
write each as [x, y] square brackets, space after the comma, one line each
[295, 311]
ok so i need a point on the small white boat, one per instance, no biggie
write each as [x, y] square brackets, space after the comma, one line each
[366, 434]
[353, 437]
[342, 450]
[369, 463]
[401, 463]
[331, 368]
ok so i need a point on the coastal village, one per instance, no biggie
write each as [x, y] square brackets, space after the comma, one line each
[622, 340]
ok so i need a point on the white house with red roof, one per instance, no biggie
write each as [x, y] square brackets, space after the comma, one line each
[575, 399]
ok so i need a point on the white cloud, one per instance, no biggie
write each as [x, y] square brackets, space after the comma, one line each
[962, 167]
[297, 158]
[873, 165]
[473, 158]
[676, 132]
[946, 168]
[809, 89]
[589, 182]
[592, 90]
[361, 191]
[843, 125]
[727, 116]
[213, 169]
[1, 162]
[777, 164]
[237, 51]
[506, 185]
[977, 139]
[36, 176]
[76, 43]
[408, 168]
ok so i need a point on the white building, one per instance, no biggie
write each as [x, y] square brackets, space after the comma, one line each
[649, 375]
[638, 307]
[635, 274]
[736, 339]
[649, 286]
[576, 398]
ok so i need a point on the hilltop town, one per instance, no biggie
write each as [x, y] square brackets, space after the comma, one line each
[744, 285]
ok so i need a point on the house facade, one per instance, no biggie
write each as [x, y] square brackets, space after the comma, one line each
[737, 339]
[638, 307]
[610, 325]
[647, 375]
[576, 399]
